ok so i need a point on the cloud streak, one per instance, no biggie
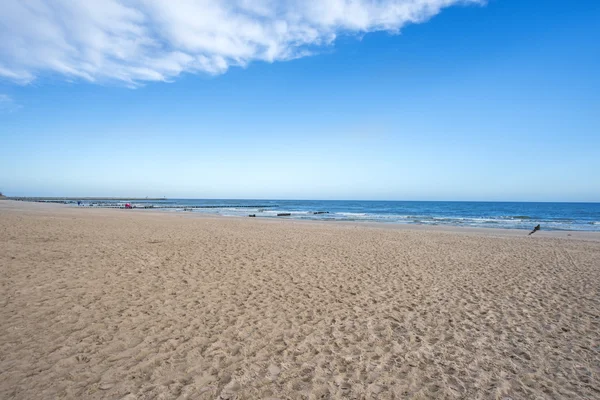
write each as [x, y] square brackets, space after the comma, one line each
[134, 41]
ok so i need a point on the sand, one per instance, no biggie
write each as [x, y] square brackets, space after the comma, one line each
[123, 304]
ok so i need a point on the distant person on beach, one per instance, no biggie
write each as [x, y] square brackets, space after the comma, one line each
[537, 228]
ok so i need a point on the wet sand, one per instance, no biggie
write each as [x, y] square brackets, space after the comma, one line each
[142, 305]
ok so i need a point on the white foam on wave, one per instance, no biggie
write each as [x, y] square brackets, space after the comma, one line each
[506, 221]
[353, 214]
[275, 212]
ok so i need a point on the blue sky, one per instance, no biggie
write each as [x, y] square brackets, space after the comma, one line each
[480, 101]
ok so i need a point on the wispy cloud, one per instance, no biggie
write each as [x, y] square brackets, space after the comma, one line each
[156, 40]
[7, 104]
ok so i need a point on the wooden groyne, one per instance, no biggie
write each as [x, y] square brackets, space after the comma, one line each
[154, 206]
[110, 202]
[76, 199]
[120, 203]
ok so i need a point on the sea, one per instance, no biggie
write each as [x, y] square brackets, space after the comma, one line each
[509, 215]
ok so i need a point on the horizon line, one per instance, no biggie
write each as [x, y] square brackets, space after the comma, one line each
[158, 198]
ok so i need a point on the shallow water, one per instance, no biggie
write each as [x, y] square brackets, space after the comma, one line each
[511, 215]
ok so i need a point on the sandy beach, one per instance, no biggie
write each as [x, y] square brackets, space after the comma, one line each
[123, 304]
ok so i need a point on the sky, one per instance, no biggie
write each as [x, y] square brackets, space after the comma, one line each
[495, 100]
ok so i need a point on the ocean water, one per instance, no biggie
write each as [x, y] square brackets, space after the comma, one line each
[511, 215]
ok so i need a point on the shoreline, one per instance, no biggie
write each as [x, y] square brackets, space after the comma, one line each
[451, 229]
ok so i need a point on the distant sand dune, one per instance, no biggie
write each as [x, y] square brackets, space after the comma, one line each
[142, 305]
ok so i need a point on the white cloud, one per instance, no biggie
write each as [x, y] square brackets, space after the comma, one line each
[155, 40]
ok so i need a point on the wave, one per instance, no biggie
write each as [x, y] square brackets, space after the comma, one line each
[513, 222]
[353, 214]
[516, 217]
[521, 217]
[278, 211]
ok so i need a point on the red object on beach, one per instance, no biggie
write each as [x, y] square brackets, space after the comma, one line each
[127, 205]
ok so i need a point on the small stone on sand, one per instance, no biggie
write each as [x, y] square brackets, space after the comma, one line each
[274, 370]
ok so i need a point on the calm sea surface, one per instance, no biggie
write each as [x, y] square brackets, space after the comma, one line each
[551, 216]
